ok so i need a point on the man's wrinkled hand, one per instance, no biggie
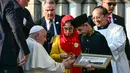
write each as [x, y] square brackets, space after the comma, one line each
[24, 60]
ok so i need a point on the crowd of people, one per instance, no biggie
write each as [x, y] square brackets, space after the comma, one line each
[53, 43]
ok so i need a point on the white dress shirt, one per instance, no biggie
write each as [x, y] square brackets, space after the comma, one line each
[48, 26]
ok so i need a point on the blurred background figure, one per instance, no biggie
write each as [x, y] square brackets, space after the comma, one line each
[50, 21]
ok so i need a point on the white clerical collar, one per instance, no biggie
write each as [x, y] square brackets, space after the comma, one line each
[47, 21]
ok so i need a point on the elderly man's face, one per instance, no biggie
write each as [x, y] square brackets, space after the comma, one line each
[98, 17]
[49, 11]
[109, 5]
[42, 36]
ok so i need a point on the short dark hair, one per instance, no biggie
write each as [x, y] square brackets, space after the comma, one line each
[104, 10]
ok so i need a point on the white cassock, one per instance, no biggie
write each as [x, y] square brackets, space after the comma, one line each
[39, 61]
[116, 40]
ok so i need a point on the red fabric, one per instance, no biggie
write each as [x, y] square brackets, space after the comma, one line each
[109, 19]
[67, 43]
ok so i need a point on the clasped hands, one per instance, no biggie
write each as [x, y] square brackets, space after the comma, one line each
[68, 60]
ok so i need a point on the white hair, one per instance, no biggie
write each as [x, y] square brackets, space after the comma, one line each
[49, 2]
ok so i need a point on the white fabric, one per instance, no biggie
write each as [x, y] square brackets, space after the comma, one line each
[116, 39]
[39, 61]
[35, 28]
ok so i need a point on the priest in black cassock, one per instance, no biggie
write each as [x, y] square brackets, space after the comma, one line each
[92, 42]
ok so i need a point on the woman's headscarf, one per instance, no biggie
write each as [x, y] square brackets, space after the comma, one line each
[70, 44]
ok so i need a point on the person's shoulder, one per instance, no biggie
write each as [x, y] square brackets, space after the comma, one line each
[97, 34]
[117, 16]
[39, 21]
[115, 25]
[26, 10]
[55, 38]
[58, 16]
[6, 3]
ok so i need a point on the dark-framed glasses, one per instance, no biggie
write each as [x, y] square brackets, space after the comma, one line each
[98, 18]
[111, 3]
[70, 29]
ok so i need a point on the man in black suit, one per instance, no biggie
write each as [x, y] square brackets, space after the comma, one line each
[24, 15]
[11, 29]
[50, 16]
[110, 6]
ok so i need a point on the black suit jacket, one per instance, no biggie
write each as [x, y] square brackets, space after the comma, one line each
[23, 13]
[12, 29]
[42, 22]
[120, 21]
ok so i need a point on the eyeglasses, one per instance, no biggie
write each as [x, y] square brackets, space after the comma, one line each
[111, 3]
[98, 18]
[70, 29]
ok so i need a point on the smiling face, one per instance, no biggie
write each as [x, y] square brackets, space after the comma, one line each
[68, 29]
[83, 29]
[98, 17]
[49, 11]
[109, 5]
